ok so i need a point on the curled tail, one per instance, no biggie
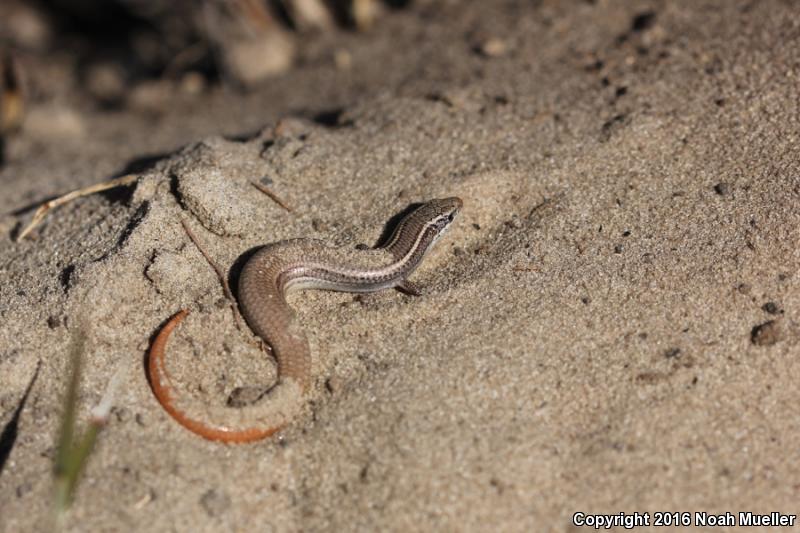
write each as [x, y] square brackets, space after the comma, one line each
[162, 388]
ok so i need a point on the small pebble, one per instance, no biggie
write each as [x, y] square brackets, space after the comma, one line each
[771, 308]
[26, 26]
[722, 189]
[744, 288]
[493, 47]
[766, 334]
[122, 414]
[253, 60]
[672, 353]
[515, 222]
[24, 489]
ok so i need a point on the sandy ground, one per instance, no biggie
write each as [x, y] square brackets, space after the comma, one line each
[585, 342]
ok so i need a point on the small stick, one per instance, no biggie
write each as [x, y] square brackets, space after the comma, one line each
[147, 498]
[46, 207]
[274, 197]
[220, 275]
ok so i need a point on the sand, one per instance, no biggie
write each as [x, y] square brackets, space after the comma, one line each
[588, 336]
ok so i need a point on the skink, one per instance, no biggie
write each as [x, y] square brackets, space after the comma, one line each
[282, 267]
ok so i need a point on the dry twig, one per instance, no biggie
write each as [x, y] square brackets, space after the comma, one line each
[61, 200]
[274, 197]
[220, 275]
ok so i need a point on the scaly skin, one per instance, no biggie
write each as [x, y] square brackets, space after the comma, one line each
[282, 267]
